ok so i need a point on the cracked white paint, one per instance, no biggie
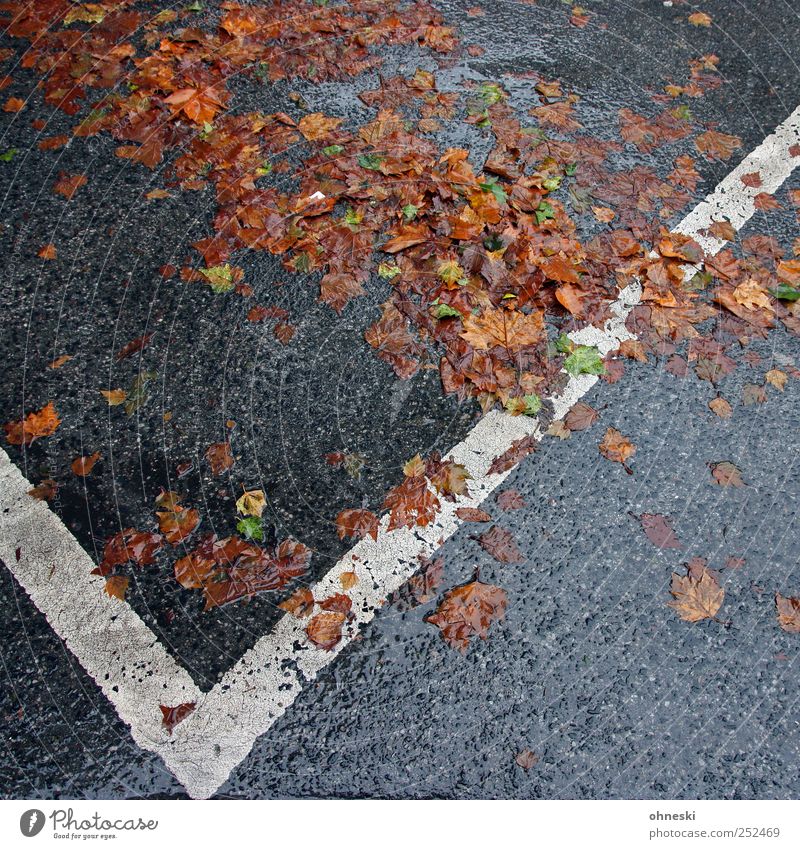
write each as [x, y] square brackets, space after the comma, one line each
[133, 669]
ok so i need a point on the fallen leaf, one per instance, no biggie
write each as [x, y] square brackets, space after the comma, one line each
[788, 613]
[752, 394]
[696, 599]
[219, 457]
[473, 514]
[171, 716]
[721, 407]
[616, 447]
[526, 759]
[581, 417]
[658, 531]
[115, 397]
[59, 361]
[48, 252]
[468, 611]
[82, 466]
[348, 580]
[251, 503]
[357, 523]
[700, 19]
[67, 185]
[116, 586]
[325, 629]
[44, 491]
[501, 544]
[726, 473]
[777, 378]
[510, 499]
[716, 145]
[299, 604]
[34, 426]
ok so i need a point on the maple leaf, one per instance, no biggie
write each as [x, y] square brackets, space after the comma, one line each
[114, 397]
[696, 598]
[510, 499]
[67, 185]
[336, 290]
[726, 473]
[777, 378]
[752, 393]
[317, 126]
[720, 407]
[129, 545]
[219, 457]
[526, 759]
[468, 611]
[657, 529]
[519, 449]
[251, 502]
[617, 448]
[198, 105]
[34, 426]
[581, 416]
[788, 613]
[700, 19]
[512, 330]
[171, 716]
[716, 145]
[357, 523]
[48, 252]
[501, 544]
[325, 629]
[116, 586]
[411, 502]
[473, 514]
[422, 587]
[82, 466]
[175, 521]
[751, 295]
[389, 336]
[299, 604]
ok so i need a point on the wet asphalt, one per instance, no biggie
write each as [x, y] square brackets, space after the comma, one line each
[589, 669]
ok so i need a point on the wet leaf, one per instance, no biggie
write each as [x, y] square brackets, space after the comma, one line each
[720, 407]
[175, 521]
[67, 185]
[726, 473]
[526, 759]
[777, 378]
[348, 580]
[581, 417]
[659, 531]
[700, 19]
[114, 397]
[219, 457]
[510, 499]
[34, 426]
[753, 394]
[299, 604]
[616, 447]
[116, 586]
[473, 514]
[251, 502]
[501, 544]
[44, 491]
[584, 360]
[696, 599]
[519, 449]
[357, 523]
[82, 466]
[788, 610]
[468, 611]
[171, 716]
[325, 629]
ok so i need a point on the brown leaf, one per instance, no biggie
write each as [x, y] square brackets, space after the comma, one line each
[510, 499]
[512, 330]
[777, 378]
[82, 466]
[716, 145]
[134, 346]
[581, 417]
[116, 586]
[129, 545]
[721, 407]
[501, 544]
[788, 613]
[348, 580]
[317, 126]
[67, 185]
[357, 523]
[696, 599]
[616, 447]
[299, 604]
[171, 716]
[175, 521]
[700, 19]
[59, 361]
[47, 252]
[219, 457]
[473, 514]
[726, 473]
[422, 587]
[658, 531]
[468, 611]
[325, 629]
[519, 449]
[45, 491]
[115, 397]
[526, 759]
[752, 393]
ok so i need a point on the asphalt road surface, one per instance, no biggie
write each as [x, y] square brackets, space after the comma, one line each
[589, 668]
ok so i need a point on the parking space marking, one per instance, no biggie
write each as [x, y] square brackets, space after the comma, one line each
[133, 669]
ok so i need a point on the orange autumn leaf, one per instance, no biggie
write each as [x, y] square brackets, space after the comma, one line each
[696, 598]
[82, 466]
[788, 610]
[34, 426]
[116, 586]
[512, 330]
[317, 126]
[468, 611]
[59, 361]
[716, 145]
[325, 629]
[219, 457]
[13, 104]
[348, 580]
[616, 447]
[299, 604]
[67, 185]
[357, 523]
[198, 105]
[700, 19]
[48, 252]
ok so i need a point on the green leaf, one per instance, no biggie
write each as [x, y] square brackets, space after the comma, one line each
[194, 7]
[571, 169]
[584, 360]
[250, 528]
[332, 149]
[446, 311]
[352, 217]
[551, 183]
[372, 161]
[533, 403]
[491, 93]
[138, 394]
[410, 211]
[544, 211]
[491, 185]
[8, 155]
[220, 277]
[266, 168]
[785, 292]
[564, 344]
[388, 270]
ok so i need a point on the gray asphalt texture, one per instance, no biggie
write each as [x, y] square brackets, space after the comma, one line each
[590, 669]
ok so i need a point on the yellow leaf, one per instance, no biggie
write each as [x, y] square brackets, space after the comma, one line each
[251, 503]
[115, 397]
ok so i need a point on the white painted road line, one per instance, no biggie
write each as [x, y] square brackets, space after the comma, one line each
[134, 671]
